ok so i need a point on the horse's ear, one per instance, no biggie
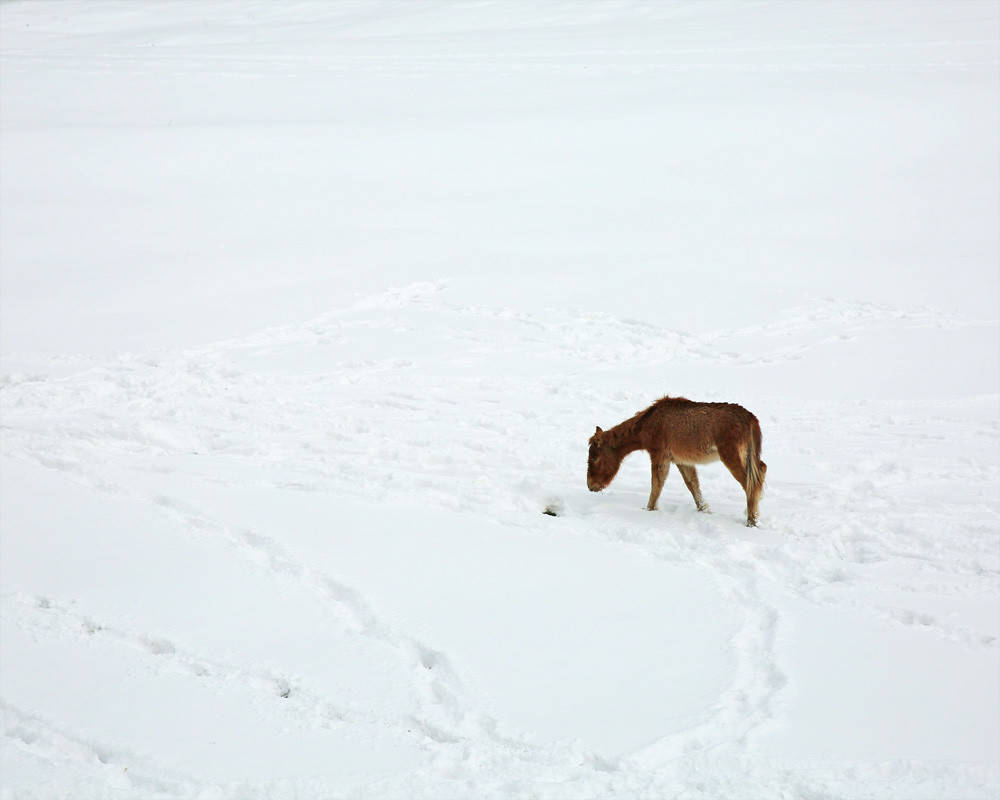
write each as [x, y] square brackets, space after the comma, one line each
[598, 431]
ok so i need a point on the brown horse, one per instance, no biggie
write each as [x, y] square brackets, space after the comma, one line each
[675, 430]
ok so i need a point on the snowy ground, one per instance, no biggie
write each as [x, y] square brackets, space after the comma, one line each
[309, 309]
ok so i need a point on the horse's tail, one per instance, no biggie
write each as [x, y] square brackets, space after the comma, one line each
[756, 469]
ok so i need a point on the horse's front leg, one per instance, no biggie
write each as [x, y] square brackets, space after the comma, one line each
[690, 476]
[660, 467]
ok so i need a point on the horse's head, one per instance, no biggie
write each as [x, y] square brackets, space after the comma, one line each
[602, 462]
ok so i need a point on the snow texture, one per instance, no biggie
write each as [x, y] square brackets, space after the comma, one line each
[308, 312]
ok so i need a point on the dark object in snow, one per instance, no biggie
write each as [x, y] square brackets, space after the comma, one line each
[553, 507]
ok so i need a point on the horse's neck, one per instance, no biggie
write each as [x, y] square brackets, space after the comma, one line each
[626, 437]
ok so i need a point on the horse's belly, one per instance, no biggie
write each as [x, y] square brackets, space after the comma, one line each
[692, 457]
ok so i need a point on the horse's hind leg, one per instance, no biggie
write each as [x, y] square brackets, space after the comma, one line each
[660, 468]
[729, 454]
[754, 493]
[690, 475]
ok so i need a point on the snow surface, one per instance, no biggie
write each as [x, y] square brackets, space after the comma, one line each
[308, 311]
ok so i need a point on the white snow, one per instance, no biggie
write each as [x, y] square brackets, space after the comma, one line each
[307, 311]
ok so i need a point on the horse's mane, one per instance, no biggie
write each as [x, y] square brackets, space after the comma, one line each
[667, 400]
[664, 401]
[627, 428]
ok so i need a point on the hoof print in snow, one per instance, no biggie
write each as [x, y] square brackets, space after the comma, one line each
[428, 658]
[601, 763]
[159, 647]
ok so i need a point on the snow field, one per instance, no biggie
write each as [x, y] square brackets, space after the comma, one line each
[309, 312]
[644, 638]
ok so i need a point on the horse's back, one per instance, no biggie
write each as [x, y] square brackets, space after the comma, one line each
[691, 432]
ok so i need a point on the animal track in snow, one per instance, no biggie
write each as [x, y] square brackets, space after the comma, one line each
[121, 769]
[308, 707]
